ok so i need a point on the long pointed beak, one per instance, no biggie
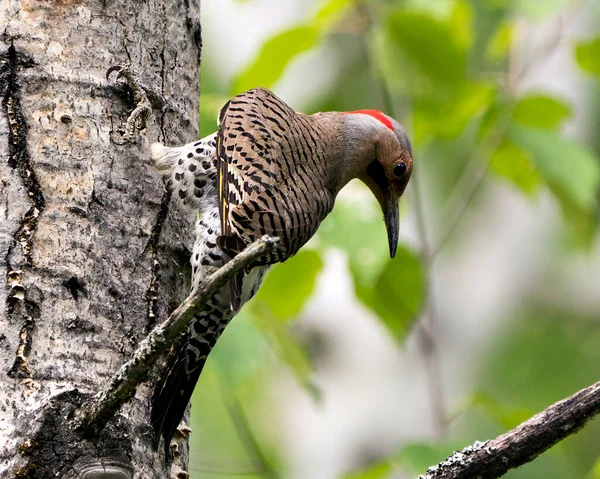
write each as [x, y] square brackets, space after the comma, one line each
[392, 219]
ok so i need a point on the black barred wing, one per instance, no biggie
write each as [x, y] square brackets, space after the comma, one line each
[251, 125]
[271, 170]
[290, 212]
[247, 152]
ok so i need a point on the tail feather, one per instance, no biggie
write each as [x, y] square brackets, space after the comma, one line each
[173, 392]
[235, 291]
[178, 379]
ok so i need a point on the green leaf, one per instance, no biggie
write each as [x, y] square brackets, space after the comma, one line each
[461, 20]
[541, 111]
[332, 11]
[397, 295]
[275, 56]
[378, 470]
[391, 288]
[500, 42]
[290, 284]
[285, 346]
[469, 101]
[517, 166]
[239, 352]
[434, 8]
[587, 55]
[581, 225]
[433, 46]
[570, 169]
[355, 226]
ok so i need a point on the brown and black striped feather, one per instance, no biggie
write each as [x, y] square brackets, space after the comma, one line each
[275, 173]
[226, 240]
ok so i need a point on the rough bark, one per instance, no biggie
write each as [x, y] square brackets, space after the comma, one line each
[91, 260]
[494, 458]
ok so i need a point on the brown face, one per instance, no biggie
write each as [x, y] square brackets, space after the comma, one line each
[387, 177]
[398, 168]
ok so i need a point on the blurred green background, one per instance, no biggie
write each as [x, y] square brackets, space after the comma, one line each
[350, 365]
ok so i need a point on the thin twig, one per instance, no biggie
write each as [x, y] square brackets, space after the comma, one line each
[428, 322]
[469, 183]
[124, 383]
[428, 325]
[524, 443]
[245, 433]
[476, 170]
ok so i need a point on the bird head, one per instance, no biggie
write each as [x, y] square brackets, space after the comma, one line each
[388, 162]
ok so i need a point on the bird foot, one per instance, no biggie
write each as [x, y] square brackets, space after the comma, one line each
[178, 473]
[139, 117]
[183, 431]
[209, 270]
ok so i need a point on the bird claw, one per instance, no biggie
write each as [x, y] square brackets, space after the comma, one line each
[139, 117]
[115, 68]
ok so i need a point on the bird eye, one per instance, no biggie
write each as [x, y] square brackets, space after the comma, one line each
[400, 169]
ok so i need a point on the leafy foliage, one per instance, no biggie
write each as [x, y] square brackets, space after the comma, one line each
[449, 70]
[396, 296]
[569, 168]
[517, 166]
[288, 287]
[587, 55]
[275, 56]
[541, 111]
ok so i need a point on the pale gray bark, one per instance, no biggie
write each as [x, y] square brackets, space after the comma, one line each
[91, 260]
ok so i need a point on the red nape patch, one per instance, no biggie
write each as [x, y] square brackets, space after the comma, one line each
[377, 115]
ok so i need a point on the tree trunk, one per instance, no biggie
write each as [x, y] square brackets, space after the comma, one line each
[93, 254]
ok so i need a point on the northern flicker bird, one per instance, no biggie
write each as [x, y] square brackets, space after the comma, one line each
[268, 170]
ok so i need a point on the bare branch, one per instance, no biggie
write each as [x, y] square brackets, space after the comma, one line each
[124, 383]
[490, 459]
